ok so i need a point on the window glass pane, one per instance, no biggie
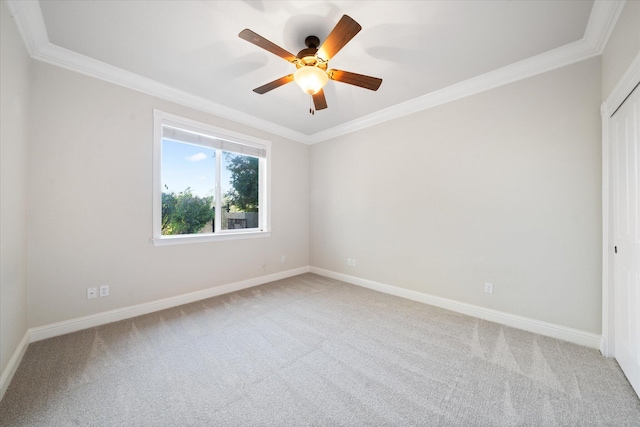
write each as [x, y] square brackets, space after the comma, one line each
[239, 191]
[207, 182]
[188, 188]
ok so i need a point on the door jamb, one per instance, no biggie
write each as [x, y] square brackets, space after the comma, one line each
[624, 87]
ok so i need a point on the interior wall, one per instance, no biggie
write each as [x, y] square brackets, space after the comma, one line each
[501, 187]
[623, 46]
[14, 96]
[91, 198]
[457, 200]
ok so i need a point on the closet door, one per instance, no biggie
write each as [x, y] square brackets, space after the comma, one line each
[624, 138]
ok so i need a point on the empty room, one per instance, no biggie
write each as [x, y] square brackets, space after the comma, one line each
[291, 213]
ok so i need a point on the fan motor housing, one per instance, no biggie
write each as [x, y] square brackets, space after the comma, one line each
[307, 57]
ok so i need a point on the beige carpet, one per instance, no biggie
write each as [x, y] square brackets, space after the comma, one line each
[314, 351]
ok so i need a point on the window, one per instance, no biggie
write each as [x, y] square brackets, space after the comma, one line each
[209, 183]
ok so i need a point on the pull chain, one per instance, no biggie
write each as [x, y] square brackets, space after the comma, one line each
[311, 110]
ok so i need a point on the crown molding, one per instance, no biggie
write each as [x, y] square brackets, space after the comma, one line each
[68, 59]
[602, 20]
[28, 17]
[604, 15]
[557, 58]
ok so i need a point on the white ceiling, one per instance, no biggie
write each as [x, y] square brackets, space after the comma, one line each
[426, 52]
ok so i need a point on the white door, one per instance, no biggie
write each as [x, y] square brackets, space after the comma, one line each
[624, 137]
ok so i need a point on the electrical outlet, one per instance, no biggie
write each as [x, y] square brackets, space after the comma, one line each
[488, 288]
[349, 262]
[104, 291]
[283, 258]
[92, 293]
[353, 262]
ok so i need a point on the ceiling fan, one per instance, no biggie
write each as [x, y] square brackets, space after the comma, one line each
[311, 63]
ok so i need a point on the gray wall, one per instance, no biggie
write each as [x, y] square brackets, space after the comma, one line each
[622, 48]
[501, 187]
[90, 204]
[14, 87]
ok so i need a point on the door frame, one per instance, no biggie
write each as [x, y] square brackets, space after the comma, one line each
[624, 87]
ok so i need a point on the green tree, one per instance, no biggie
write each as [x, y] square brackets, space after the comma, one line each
[169, 201]
[244, 180]
[184, 213]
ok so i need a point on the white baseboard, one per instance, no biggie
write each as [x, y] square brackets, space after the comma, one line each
[73, 325]
[12, 366]
[575, 336]
[80, 323]
[604, 346]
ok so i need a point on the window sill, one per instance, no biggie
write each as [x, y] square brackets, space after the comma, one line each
[184, 240]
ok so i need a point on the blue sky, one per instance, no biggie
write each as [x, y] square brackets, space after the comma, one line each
[186, 165]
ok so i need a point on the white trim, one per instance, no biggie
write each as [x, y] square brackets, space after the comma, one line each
[156, 186]
[607, 345]
[205, 238]
[602, 21]
[85, 322]
[73, 61]
[604, 15]
[210, 130]
[28, 18]
[80, 323]
[212, 134]
[624, 87]
[575, 336]
[553, 59]
[12, 366]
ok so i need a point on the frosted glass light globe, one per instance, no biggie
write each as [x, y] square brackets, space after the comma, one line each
[311, 79]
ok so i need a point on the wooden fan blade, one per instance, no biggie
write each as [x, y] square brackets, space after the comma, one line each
[344, 31]
[274, 84]
[367, 82]
[319, 101]
[260, 41]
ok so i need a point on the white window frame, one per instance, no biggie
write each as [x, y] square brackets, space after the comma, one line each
[160, 119]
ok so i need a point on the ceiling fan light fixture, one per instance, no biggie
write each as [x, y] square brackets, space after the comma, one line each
[312, 63]
[311, 79]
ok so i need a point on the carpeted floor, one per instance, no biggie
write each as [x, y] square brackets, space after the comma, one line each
[314, 351]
